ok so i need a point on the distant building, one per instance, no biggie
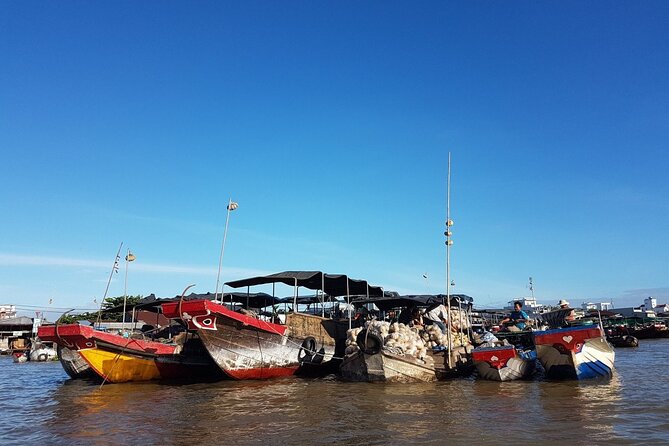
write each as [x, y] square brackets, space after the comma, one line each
[640, 312]
[15, 333]
[7, 311]
[530, 306]
[650, 302]
[661, 309]
[598, 306]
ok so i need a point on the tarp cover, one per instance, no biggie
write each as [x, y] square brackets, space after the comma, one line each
[418, 300]
[331, 284]
[152, 303]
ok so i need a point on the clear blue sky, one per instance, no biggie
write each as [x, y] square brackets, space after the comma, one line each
[330, 124]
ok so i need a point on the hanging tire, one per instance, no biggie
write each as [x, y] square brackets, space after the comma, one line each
[369, 342]
[307, 350]
[42, 357]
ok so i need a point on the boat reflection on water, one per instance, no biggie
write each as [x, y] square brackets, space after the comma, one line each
[586, 408]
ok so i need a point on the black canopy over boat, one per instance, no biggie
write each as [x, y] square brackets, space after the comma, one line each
[331, 284]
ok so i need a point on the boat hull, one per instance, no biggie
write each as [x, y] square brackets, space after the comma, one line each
[385, 367]
[117, 359]
[74, 364]
[245, 347]
[503, 363]
[575, 353]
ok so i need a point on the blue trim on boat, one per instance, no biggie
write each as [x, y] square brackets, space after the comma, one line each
[595, 369]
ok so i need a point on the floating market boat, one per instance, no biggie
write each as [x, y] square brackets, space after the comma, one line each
[117, 359]
[41, 351]
[504, 363]
[652, 330]
[574, 352]
[245, 346]
[373, 361]
[395, 352]
[622, 341]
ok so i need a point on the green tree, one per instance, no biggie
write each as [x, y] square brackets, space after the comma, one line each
[113, 302]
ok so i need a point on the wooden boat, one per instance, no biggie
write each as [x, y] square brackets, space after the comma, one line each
[74, 364]
[651, 330]
[578, 352]
[622, 341]
[116, 359]
[247, 347]
[42, 352]
[375, 361]
[504, 363]
[384, 366]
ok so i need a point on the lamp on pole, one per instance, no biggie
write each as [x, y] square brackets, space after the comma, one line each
[231, 207]
[128, 258]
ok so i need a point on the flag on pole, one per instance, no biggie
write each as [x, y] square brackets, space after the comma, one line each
[130, 257]
[232, 206]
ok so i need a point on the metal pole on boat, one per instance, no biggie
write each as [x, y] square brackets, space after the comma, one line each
[128, 258]
[230, 207]
[111, 274]
[348, 300]
[449, 242]
[295, 297]
[322, 295]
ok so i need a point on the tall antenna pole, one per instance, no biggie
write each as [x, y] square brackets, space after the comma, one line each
[449, 242]
[231, 207]
[532, 288]
[125, 290]
[111, 274]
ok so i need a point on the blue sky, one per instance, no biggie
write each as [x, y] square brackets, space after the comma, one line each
[330, 124]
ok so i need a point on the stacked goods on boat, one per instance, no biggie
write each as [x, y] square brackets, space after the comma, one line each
[382, 351]
[394, 352]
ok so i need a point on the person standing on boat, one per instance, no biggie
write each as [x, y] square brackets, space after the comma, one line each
[564, 305]
[416, 318]
[517, 319]
[438, 316]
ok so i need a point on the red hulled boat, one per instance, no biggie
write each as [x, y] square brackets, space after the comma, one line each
[115, 358]
[247, 347]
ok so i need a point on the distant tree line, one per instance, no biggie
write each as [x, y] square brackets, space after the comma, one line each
[106, 315]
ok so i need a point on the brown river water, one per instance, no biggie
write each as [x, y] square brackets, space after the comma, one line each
[39, 404]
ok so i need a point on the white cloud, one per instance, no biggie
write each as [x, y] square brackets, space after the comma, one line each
[67, 262]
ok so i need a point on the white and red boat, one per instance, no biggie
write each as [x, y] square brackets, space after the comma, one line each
[504, 363]
[578, 352]
[247, 347]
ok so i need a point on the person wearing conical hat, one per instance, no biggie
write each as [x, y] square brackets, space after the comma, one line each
[564, 305]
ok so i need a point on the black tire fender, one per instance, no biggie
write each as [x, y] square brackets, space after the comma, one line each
[307, 350]
[369, 342]
[42, 357]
